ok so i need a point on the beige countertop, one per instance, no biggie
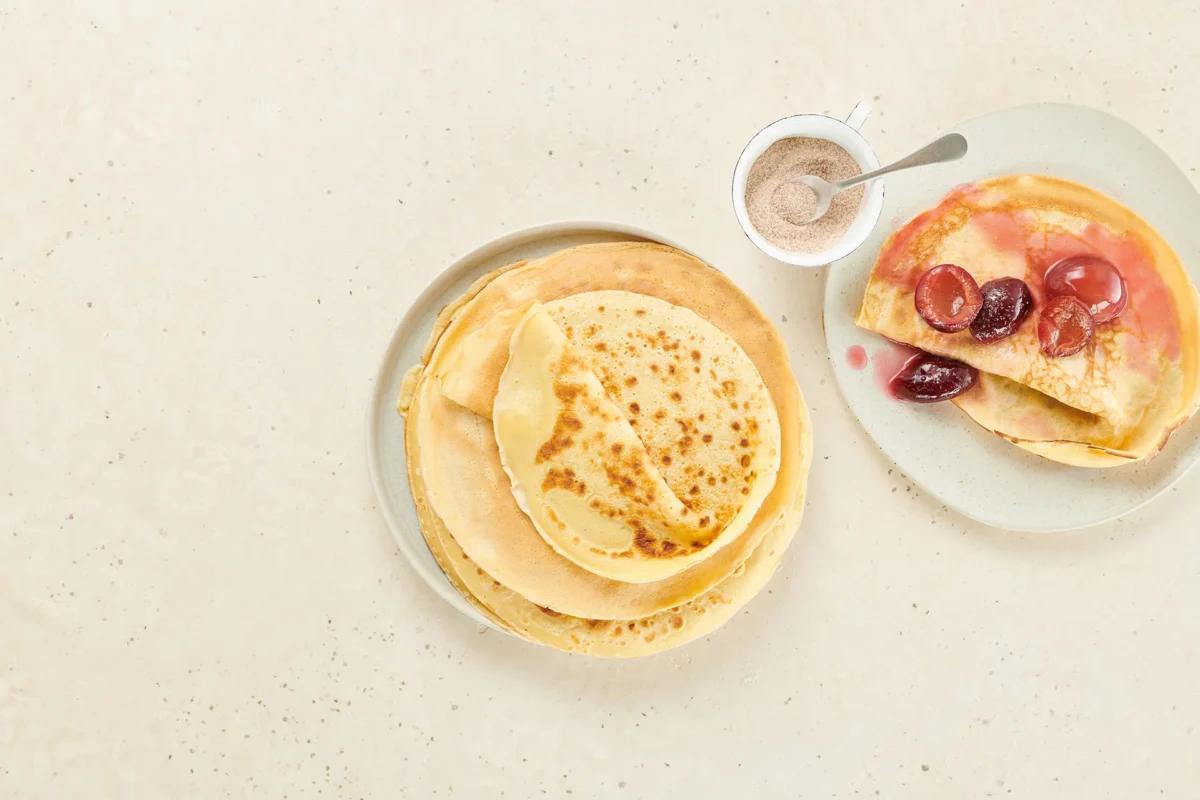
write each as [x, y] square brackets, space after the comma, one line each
[210, 224]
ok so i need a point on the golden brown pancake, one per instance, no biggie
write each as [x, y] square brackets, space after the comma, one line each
[1116, 401]
[465, 499]
[637, 436]
[622, 638]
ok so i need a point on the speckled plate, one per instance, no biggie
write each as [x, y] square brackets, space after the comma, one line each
[386, 457]
[938, 446]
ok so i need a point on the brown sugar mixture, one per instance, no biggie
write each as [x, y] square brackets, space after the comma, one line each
[778, 204]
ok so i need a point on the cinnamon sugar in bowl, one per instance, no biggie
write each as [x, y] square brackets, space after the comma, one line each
[771, 205]
[780, 205]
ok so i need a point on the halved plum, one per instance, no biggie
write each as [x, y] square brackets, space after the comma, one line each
[1092, 279]
[947, 298]
[1006, 304]
[926, 378]
[1065, 326]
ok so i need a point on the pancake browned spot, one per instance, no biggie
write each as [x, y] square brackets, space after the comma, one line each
[563, 479]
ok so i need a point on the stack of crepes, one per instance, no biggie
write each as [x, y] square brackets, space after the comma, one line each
[607, 448]
[1113, 403]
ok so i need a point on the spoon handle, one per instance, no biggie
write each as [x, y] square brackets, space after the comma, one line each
[950, 147]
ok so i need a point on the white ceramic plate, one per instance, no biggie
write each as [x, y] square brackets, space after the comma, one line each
[939, 447]
[385, 428]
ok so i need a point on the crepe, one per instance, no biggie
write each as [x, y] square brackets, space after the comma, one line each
[637, 437]
[1113, 403]
[608, 638]
[465, 499]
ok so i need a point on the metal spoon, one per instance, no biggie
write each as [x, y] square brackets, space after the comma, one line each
[950, 147]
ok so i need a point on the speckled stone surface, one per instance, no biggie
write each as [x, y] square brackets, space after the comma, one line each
[210, 223]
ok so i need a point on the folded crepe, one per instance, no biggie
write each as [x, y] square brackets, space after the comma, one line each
[1115, 402]
[606, 447]
[638, 438]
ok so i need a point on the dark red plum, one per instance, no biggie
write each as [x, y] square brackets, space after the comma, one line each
[947, 298]
[1065, 326]
[926, 378]
[1006, 304]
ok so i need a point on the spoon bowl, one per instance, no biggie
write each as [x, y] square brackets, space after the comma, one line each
[823, 192]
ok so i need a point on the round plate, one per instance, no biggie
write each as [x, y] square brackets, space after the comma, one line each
[939, 447]
[386, 458]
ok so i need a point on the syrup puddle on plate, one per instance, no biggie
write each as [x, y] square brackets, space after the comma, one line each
[856, 356]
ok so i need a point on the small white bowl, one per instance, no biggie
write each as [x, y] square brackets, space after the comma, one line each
[817, 126]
